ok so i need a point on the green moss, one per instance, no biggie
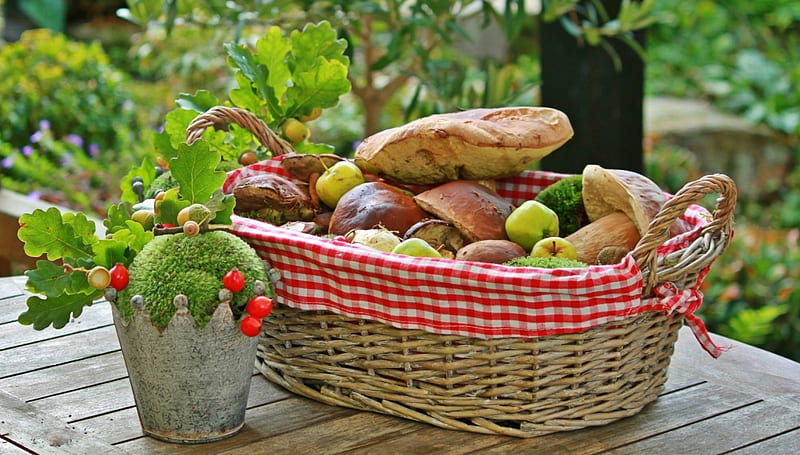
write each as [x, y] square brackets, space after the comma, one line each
[194, 266]
[565, 197]
[547, 263]
[163, 182]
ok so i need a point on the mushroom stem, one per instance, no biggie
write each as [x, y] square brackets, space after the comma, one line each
[613, 230]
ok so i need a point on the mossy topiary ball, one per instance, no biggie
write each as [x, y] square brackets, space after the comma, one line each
[194, 266]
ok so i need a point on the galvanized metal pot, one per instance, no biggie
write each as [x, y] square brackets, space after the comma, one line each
[190, 385]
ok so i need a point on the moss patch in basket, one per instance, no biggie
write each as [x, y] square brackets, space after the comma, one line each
[547, 263]
[194, 266]
[565, 197]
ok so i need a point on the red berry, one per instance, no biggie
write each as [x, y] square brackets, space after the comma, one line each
[233, 280]
[250, 326]
[259, 306]
[119, 276]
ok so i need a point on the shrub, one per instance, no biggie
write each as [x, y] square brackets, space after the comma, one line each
[70, 131]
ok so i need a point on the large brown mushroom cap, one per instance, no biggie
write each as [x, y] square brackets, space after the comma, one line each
[609, 190]
[470, 145]
[375, 204]
[475, 210]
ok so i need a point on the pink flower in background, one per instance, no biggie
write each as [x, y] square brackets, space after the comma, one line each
[35, 195]
[44, 125]
[37, 136]
[27, 150]
[94, 149]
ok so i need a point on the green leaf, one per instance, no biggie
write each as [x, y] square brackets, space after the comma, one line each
[195, 171]
[320, 86]
[316, 41]
[109, 251]
[167, 209]
[201, 101]
[116, 217]
[146, 171]
[272, 51]
[56, 311]
[50, 14]
[175, 125]
[221, 205]
[52, 280]
[68, 236]
[312, 148]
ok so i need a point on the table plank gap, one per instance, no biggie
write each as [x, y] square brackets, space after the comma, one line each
[753, 422]
[779, 444]
[93, 317]
[664, 415]
[261, 423]
[44, 434]
[58, 351]
[67, 377]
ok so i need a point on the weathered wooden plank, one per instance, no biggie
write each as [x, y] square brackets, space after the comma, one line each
[88, 402]
[123, 424]
[335, 436]
[67, 377]
[669, 412]
[738, 365]
[97, 315]
[781, 444]
[737, 428]
[433, 440]
[44, 434]
[293, 414]
[9, 448]
[58, 351]
[11, 287]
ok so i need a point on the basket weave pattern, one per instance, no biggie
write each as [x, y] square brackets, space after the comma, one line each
[519, 386]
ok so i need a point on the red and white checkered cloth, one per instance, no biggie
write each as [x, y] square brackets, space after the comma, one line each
[458, 297]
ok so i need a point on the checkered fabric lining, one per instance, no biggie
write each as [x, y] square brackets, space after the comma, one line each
[457, 297]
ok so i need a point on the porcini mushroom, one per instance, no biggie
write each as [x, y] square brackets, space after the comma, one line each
[620, 205]
[475, 210]
[375, 204]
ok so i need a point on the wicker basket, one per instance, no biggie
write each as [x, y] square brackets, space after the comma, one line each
[516, 386]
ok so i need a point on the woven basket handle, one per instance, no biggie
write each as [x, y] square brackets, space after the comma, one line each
[222, 114]
[682, 267]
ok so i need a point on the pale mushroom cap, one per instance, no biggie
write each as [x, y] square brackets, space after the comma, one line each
[609, 190]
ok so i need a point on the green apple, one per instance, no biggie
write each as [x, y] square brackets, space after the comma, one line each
[416, 247]
[558, 247]
[530, 222]
[295, 131]
[337, 180]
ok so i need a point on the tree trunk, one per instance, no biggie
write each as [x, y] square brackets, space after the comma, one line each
[604, 104]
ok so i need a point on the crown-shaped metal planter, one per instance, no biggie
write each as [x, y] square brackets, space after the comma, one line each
[190, 384]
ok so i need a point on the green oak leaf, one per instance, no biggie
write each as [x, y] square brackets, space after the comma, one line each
[201, 101]
[116, 216]
[167, 209]
[313, 149]
[272, 51]
[222, 205]
[316, 41]
[175, 123]
[52, 280]
[146, 171]
[56, 311]
[321, 85]
[195, 170]
[68, 236]
[109, 251]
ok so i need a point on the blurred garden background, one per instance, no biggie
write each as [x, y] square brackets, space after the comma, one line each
[85, 87]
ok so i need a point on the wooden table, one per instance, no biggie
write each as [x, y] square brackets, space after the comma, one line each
[66, 392]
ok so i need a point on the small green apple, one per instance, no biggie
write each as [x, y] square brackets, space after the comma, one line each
[531, 222]
[416, 247]
[337, 180]
[558, 247]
